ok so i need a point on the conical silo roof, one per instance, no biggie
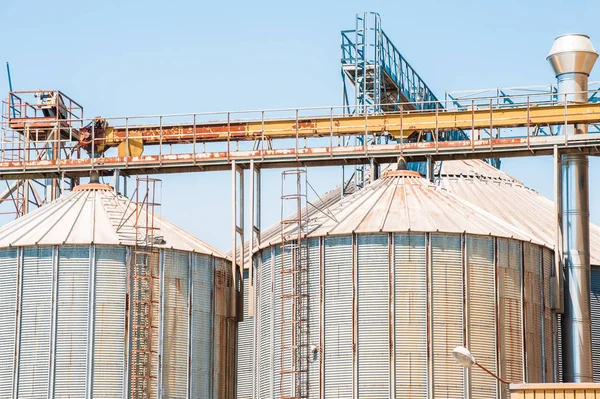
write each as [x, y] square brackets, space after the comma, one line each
[94, 213]
[500, 194]
[402, 201]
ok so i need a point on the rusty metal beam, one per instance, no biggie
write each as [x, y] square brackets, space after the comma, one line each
[401, 124]
[291, 157]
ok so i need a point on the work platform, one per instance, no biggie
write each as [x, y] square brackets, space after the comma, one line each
[312, 141]
[207, 143]
[286, 158]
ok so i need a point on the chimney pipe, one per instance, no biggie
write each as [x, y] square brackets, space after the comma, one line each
[572, 57]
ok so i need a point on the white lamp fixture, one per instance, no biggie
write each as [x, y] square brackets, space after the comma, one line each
[466, 359]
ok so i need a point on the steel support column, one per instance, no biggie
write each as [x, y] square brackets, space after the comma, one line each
[558, 295]
[237, 229]
[255, 217]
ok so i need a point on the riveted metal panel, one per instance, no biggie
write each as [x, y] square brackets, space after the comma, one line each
[175, 325]
[338, 317]
[9, 269]
[481, 314]
[447, 314]
[36, 319]
[202, 320]
[72, 318]
[533, 297]
[410, 263]
[244, 354]
[595, 306]
[314, 329]
[223, 383]
[510, 329]
[110, 291]
[373, 316]
[265, 289]
[548, 260]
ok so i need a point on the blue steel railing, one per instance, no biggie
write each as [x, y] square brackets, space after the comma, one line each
[408, 81]
[386, 57]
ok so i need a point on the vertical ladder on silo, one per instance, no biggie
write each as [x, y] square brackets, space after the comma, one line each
[145, 274]
[294, 241]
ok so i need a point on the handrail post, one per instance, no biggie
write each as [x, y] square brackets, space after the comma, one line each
[401, 131]
[93, 143]
[228, 137]
[160, 139]
[365, 136]
[126, 142]
[262, 136]
[437, 133]
[331, 132]
[472, 125]
[566, 126]
[528, 126]
[491, 125]
[194, 140]
[297, 134]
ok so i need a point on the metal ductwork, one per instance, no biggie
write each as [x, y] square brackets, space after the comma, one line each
[572, 57]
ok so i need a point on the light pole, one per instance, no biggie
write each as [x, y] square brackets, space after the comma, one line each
[467, 360]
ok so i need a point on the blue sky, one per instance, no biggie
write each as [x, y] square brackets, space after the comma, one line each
[157, 57]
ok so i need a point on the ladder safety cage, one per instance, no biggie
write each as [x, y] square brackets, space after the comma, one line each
[294, 297]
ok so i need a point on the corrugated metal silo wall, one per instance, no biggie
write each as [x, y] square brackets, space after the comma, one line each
[8, 318]
[245, 353]
[386, 310]
[64, 323]
[224, 334]
[595, 302]
[54, 300]
[410, 311]
[202, 322]
[175, 331]
[108, 373]
[198, 354]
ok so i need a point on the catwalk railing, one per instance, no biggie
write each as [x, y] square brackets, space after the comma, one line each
[292, 137]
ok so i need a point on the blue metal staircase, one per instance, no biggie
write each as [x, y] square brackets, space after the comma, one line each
[377, 78]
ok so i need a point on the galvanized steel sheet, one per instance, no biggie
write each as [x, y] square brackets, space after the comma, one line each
[338, 318]
[507, 198]
[595, 307]
[9, 271]
[109, 347]
[202, 325]
[446, 314]
[98, 216]
[510, 329]
[373, 328]
[410, 316]
[175, 319]
[534, 322]
[481, 314]
[72, 322]
[36, 322]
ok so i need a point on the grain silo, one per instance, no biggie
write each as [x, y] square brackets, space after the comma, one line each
[399, 273]
[98, 304]
[504, 196]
